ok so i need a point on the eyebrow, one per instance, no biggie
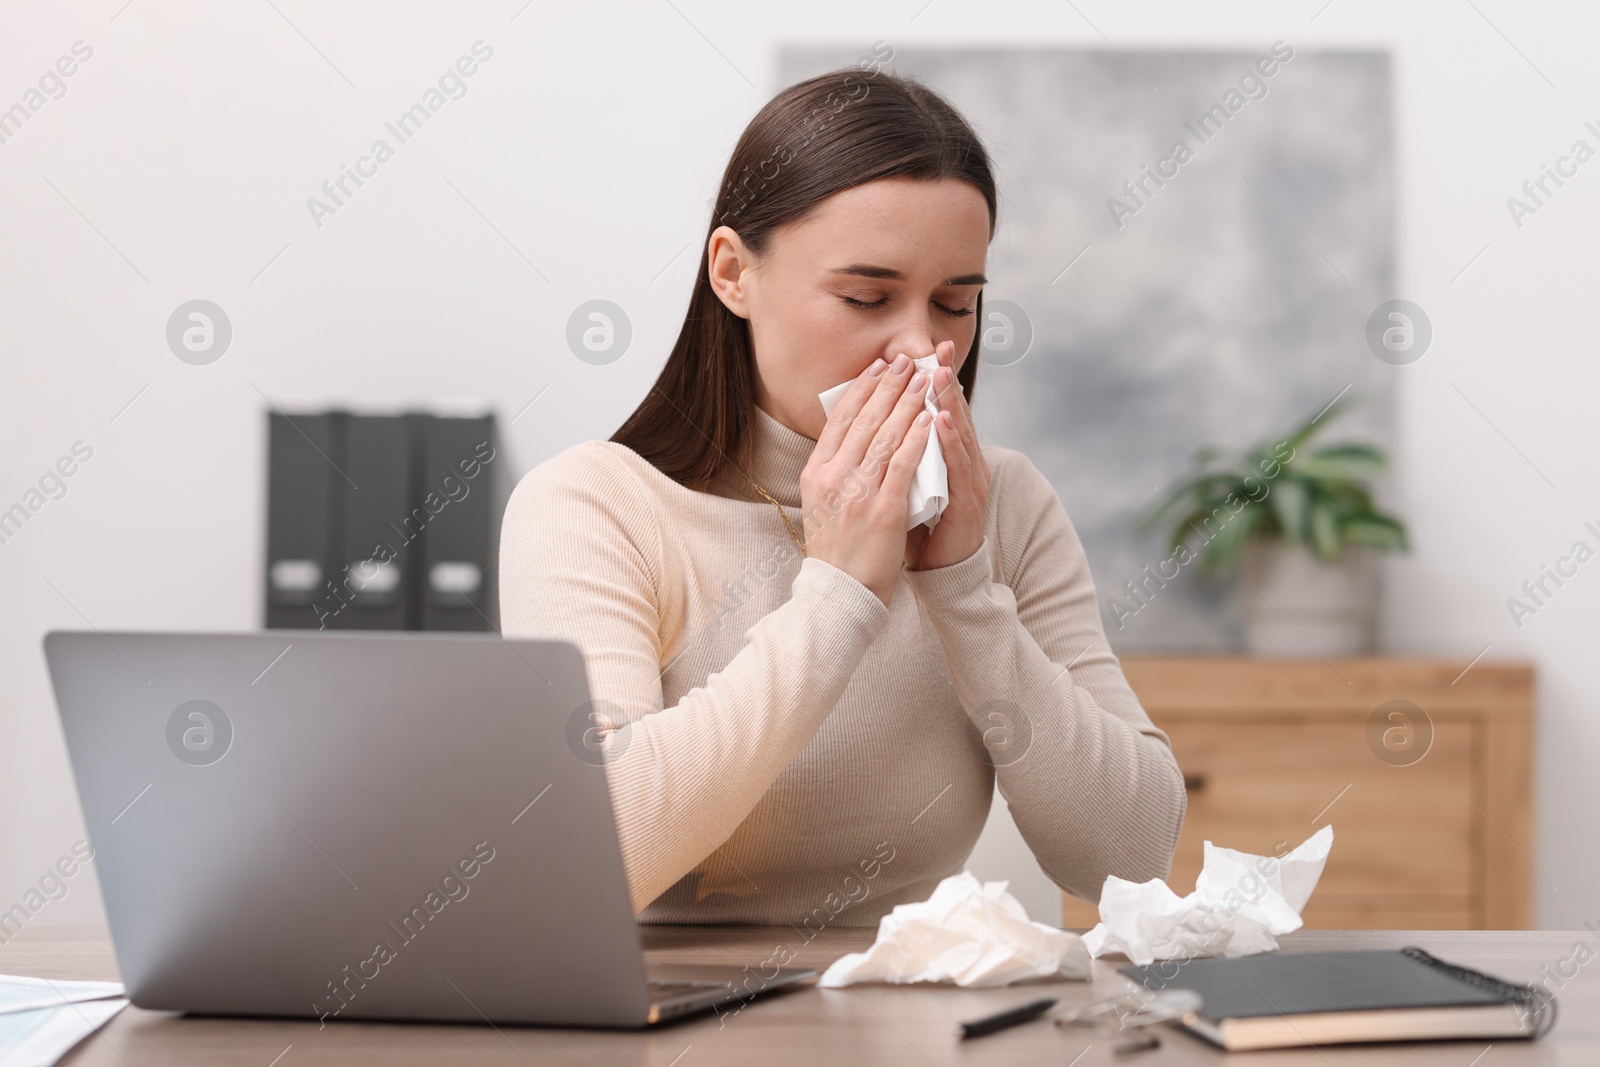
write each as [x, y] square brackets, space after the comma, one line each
[866, 270]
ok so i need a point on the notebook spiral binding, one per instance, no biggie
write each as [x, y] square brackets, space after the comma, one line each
[1538, 1005]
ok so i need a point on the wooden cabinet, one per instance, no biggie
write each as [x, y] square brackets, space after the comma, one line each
[1422, 766]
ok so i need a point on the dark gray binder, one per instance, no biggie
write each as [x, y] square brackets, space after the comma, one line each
[373, 561]
[304, 506]
[460, 491]
[383, 522]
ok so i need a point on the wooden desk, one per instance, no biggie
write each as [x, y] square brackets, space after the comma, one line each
[879, 1025]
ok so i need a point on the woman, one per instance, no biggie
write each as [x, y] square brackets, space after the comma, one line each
[804, 709]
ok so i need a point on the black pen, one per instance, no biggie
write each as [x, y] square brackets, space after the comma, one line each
[1010, 1017]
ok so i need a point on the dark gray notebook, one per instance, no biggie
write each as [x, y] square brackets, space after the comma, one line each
[1308, 998]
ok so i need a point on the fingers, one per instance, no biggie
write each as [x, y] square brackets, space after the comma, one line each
[912, 401]
[947, 390]
[876, 414]
[902, 466]
[957, 460]
[953, 407]
[845, 411]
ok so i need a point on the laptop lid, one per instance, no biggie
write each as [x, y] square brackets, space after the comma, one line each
[351, 825]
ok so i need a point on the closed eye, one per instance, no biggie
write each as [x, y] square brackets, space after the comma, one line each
[955, 313]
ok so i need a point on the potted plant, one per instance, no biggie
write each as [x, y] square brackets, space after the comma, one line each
[1302, 528]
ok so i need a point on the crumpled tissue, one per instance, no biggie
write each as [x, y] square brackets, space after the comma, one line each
[1239, 905]
[930, 485]
[970, 933]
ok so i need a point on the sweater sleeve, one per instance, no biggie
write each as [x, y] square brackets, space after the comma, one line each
[1092, 784]
[581, 560]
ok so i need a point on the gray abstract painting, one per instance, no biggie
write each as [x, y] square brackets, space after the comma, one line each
[1190, 246]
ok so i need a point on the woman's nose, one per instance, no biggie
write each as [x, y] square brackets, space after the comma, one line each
[914, 343]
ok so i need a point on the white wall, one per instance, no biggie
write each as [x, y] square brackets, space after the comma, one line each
[179, 161]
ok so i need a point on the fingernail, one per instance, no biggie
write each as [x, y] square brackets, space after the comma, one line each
[918, 380]
[901, 362]
[924, 418]
[876, 368]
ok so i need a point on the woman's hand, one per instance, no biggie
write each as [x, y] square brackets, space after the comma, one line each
[961, 527]
[855, 489]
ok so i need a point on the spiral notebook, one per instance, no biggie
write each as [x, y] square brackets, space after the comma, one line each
[1283, 1000]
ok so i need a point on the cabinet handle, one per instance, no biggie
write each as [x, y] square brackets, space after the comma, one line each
[1194, 782]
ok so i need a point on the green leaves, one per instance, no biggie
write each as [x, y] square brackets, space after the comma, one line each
[1319, 499]
[1289, 498]
[1343, 463]
[1226, 549]
[1378, 531]
[1193, 493]
[1324, 530]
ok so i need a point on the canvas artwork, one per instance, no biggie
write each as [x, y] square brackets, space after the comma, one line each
[1191, 243]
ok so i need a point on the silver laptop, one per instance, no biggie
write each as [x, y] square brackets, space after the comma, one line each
[361, 826]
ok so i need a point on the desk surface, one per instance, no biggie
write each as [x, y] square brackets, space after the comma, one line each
[873, 1024]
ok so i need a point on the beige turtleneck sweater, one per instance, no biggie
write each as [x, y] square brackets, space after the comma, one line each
[796, 752]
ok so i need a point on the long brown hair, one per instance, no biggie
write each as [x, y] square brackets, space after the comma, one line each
[816, 138]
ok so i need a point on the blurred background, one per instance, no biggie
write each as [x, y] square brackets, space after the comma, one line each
[1379, 228]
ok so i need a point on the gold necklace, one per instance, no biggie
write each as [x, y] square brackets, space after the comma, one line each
[781, 514]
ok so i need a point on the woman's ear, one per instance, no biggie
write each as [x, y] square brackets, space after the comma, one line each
[728, 263]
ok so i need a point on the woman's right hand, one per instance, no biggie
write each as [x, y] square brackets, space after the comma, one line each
[855, 490]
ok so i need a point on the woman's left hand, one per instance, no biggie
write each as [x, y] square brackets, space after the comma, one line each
[961, 527]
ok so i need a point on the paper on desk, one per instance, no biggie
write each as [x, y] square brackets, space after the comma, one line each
[930, 485]
[40, 1037]
[18, 993]
[970, 933]
[1239, 905]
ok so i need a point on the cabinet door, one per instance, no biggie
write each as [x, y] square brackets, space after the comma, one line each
[1404, 853]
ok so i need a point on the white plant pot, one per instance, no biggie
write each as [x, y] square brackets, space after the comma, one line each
[1300, 606]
